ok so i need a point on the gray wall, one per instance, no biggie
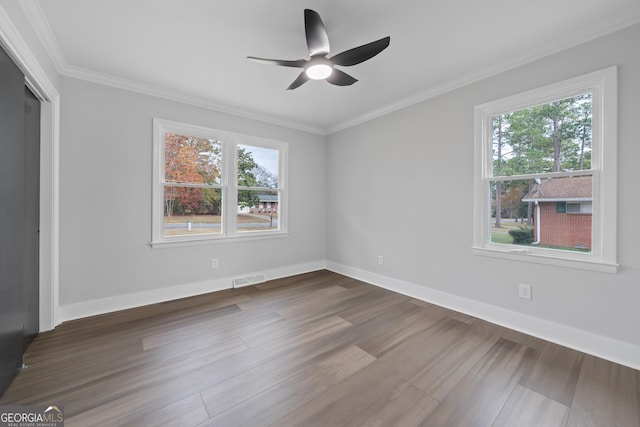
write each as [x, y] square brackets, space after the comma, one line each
[402, 186]
[399, 186]
[105, 198]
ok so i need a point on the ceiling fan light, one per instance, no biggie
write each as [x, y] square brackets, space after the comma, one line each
[319, 71]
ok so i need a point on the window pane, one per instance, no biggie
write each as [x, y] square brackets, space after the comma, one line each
[542, 213]
[257, 210]
[192, 211]
[573, 207]
[552, 137]
[192, 160]
[257, 166]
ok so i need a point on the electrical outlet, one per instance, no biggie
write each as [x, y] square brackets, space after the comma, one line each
[524, 291]
[380, 260]
[214, 263]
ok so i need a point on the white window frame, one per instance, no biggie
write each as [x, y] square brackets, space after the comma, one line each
[603, 256]
[229, 185]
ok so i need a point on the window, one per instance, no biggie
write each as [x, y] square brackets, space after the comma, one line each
[582, 207]
[540, 158]
[213, 185]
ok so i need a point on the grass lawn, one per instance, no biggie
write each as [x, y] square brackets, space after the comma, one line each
[196, 219]
[257, 222]
[215, 219]
[501, 234]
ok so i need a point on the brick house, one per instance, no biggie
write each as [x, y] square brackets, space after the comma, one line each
[563, 210]
[267, 203]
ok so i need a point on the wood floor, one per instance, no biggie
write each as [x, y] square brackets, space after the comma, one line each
[317, 349]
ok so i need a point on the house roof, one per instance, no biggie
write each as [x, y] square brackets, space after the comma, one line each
[577, 188]
[268, 197]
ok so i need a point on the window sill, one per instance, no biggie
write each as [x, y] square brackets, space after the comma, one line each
[161, 244]
[524, 256]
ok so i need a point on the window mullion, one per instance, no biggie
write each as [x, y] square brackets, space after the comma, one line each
[586, 172]
[230, 156]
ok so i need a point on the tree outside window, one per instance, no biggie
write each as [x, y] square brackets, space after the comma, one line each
[208, 185]
[549, 147]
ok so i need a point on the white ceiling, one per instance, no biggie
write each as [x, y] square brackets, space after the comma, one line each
[195, 50]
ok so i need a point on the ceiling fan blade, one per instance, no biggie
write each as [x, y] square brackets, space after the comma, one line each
[299, 63]
[361, 53]
[302, 79]
[317, 39]
[340, 78]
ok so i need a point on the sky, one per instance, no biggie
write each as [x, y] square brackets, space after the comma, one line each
[265, 157]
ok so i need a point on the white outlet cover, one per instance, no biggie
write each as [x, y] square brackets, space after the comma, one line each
[524, 291]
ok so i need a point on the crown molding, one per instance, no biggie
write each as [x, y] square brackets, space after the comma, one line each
[41, 26]
[177, 96]
[541, 51]
[36, 17]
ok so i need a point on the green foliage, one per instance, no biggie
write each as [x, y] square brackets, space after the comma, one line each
[545, 138]
[247, 178]
[522, 235]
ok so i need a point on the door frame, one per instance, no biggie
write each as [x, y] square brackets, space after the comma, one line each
[37, 80]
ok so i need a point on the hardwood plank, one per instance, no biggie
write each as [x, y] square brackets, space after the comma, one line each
[389, 337]
[606, 394]
[281, 296]
[234, 390]
[299, 280]
[86, 342]
[405, 406]
[520, 338]
[76, 364]
[486, 388]
[203, 377]
[214, 328]
[281, 332]
[315, 349]
[374, 384]
[415, 415]
[160, 313]
[464, 318]
[323, 305]
[114, 386]
[275, 402]
[526, 408]
[186, 412]
[370, 305]
[460, 347]
[338, 405]
[556, 373]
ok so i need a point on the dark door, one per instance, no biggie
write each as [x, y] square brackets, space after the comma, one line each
[31, 262]
[18, 246]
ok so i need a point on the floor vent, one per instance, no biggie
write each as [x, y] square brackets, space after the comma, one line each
[248, 281]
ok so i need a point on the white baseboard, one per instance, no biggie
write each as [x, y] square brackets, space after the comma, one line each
[577, 339]
[584, 341]
[138, 299]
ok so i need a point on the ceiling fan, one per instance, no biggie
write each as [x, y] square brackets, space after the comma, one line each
[319, 67]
